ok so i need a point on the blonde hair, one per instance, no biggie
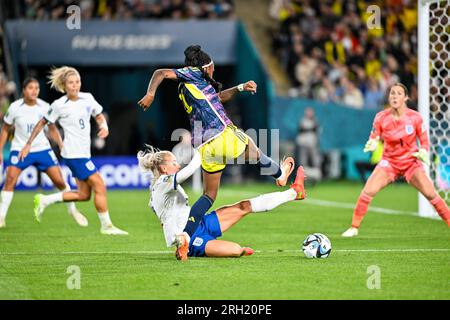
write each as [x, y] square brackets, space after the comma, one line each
[150, 160]
[58, 77]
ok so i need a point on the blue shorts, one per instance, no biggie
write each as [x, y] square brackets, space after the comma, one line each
[208, 229]
[81, 168]
[42, 160]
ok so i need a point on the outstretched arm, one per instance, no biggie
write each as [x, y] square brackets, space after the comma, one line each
[37, 129]
[189, 170]
[158, 76]
[229, 93]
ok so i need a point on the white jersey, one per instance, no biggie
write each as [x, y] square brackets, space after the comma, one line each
[75, 119]
[24, 118]
[170, 202]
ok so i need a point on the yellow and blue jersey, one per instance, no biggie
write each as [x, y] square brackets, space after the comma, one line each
[202, 103]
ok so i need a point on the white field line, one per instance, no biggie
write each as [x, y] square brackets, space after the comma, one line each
[332, 204]
[351, 206]
[156, 252]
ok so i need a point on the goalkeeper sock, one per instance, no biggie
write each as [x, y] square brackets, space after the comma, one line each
[362, 205]
[269, 201]
[266, 162]
[442, 209]
[198, 210]
[5, 201]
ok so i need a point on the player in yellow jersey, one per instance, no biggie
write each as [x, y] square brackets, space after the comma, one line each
[218, 140]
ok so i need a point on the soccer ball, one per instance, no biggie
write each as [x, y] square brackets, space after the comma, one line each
[316, 245]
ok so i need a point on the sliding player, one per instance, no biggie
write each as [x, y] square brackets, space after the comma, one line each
[73, 112]
[22, 115]
[170, 203]
[220, 140]
[398, 127]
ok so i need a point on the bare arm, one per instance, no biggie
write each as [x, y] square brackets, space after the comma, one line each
[158, 76]
[103, 131]
[54, 135]
[37, 129]
[226, 95]
[3, 137]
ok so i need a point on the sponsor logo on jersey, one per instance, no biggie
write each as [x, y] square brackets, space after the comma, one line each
[191, 219]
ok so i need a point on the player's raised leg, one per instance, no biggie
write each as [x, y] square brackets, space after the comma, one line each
[280, 172]
[41, 201]
[55, 175]
[6, 196]
[423, 184]
[377, 181]
[229, 215]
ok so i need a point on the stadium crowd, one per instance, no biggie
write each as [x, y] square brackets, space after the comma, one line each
[339, 51]
[131, 9]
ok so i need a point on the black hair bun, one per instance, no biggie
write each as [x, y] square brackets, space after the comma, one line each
[192, 51]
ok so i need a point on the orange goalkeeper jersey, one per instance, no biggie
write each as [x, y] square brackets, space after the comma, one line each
[400, 136]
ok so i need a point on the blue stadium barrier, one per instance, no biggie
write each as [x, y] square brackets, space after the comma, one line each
[117, 172]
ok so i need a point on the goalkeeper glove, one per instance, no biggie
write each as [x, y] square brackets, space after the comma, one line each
[422, 155]
[371, 145]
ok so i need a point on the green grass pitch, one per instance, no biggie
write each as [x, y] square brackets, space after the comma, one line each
[412, 253]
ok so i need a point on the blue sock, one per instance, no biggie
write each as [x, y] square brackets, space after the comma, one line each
[198, 210]
[266, 162]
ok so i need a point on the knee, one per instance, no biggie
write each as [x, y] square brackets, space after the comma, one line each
[370, 192]
[100, 190]
[60, 185]
[430, 195]
[10, 183]
[245, 206]
[237, 251]
[84, 196]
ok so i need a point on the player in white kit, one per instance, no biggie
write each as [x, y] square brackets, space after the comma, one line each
[170, 204]
[73, 112]
[22, 115]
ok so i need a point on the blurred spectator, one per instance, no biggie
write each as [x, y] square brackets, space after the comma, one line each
[352, 96]
[7, 89]
[131, 9]
[308, 145]
[333, 36]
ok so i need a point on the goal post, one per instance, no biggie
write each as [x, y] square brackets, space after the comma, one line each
[434, 92]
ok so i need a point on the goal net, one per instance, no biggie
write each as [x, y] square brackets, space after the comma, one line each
[434, 92]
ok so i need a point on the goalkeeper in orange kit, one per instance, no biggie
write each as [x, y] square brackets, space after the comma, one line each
[399, 128]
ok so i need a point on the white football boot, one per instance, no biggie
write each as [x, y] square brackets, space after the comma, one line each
[112, 230]
[79, 218]
[350, 233]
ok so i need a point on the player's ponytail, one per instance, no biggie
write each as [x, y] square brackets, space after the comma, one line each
[58, 77]
[196, 57]
[150, 161]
